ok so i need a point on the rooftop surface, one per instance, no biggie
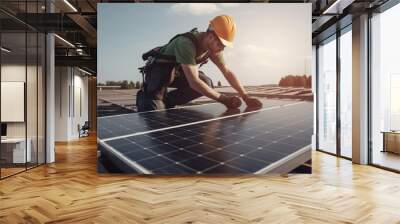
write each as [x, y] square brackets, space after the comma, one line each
[120, 101]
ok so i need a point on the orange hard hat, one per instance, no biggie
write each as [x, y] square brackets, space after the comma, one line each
[225, 28]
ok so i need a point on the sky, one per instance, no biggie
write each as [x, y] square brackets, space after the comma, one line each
[272, 40]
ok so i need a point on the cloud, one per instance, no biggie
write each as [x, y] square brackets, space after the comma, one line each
[254, 64]
[256, 55]
[194, 8]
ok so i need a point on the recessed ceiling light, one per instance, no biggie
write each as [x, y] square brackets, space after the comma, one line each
[86, 72]
[338, 6]
[64, 40]
[5, 50]
[70, 5]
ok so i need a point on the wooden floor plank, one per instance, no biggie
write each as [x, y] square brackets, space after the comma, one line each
[71, 191]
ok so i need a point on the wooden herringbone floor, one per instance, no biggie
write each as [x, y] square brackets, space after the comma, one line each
[71, 191]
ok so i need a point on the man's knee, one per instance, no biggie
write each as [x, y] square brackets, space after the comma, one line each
[206, 79]
[149, 105]
[146, 103]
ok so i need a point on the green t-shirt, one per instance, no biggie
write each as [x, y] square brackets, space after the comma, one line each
[184, 50]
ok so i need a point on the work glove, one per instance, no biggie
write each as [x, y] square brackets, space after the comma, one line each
[230, 102]
[252, 102]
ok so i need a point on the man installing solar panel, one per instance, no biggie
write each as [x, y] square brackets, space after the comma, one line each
[177, 63]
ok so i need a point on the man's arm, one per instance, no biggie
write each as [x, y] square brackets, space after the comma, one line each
[235, 83]
[230, 77]
[192, 76]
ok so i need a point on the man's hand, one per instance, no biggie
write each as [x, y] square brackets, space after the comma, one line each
[230, 102]
[252, 101]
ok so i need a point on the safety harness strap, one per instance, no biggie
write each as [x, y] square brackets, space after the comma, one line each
[155, 52]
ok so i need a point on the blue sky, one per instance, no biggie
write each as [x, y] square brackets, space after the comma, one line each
[273, 40]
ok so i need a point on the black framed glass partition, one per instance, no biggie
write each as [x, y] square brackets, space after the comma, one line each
[385, 88]
[23, 89]
[13, 95]
[334, 94]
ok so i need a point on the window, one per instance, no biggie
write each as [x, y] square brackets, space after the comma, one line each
[385, 85]
[327, 96]
[346, 93]
[394, 101]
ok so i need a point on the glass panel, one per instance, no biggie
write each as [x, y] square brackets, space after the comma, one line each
[313, 86]
[394, 101]
[13, 87]
[41, 99]
[7, 23]
[346, 94]
[23, 82]
[31, 99]
[327, 96]
[386, 89]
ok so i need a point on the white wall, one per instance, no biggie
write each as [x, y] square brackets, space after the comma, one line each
[80, 118]
[79, 112]
[62, 82]
[71, 87]
[16, 73]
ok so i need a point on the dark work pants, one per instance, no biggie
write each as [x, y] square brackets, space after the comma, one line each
[157, 97]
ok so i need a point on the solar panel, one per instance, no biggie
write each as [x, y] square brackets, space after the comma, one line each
[273, 139]
[125, 124]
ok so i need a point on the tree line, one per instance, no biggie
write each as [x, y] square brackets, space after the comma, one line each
[295, 81]
[286, 81]
[125, 84]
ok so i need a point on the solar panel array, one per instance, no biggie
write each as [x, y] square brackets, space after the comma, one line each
[119, 125]
[199, 141]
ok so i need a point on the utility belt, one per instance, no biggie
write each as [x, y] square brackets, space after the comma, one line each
[154, 58]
